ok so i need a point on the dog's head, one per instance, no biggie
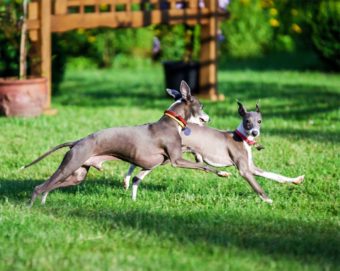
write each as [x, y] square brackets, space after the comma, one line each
[188, 106]
[251, 121]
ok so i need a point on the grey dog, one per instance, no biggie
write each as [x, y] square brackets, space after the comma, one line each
[146, 146]
[223, 149]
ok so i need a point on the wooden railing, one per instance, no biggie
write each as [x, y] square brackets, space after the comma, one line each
[47, 16]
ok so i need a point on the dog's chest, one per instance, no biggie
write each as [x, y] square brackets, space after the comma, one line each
[249, 154]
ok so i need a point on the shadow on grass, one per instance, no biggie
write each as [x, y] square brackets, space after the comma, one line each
[318, 136]
[310, 242]
[21, 190]
[278, 237]
[292, 102]
[296, 101]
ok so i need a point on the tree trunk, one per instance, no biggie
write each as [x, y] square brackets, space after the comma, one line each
[23, 50]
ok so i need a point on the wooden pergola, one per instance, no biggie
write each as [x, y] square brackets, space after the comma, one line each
[48, 16]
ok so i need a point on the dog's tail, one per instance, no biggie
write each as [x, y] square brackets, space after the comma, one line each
[67, 144]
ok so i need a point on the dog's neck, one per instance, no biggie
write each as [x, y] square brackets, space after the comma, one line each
[241, 129]
[177, 108]
[248, 140]
[178, 118]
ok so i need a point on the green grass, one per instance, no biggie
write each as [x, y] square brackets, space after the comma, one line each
[183, 219]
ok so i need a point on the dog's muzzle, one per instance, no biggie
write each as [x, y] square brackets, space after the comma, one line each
[254, 132]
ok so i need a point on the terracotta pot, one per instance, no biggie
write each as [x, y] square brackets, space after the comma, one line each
[22, 98]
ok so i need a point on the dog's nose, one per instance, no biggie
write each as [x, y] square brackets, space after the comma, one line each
[254, 133]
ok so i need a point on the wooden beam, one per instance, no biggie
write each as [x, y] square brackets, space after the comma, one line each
[40, 51]
[208, 55]
[45, 41]
[133, 19]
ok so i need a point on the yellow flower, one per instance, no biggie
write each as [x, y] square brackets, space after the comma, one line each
[273, 11]
[80, 31]
[91, 39]
[104, 7]
[294, 12]
[274, 22]
[266, 3]
[244, 2]
[296, 28]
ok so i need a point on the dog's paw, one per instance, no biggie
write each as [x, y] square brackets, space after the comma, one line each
[126, 185]
[267, 200]
[223, 174]
[299, 179]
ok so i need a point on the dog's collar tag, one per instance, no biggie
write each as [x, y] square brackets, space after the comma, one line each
[186, 131]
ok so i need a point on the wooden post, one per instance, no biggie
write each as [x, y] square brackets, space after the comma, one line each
[45, 41]
[60, 7]
[41, 44]
[208, 57]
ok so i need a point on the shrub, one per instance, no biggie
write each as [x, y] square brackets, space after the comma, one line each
[249, 29]
[108, 44]
[326, 32]
[179, 42]
[9, 37]
[104, 45]
[10, 11]
[294, 33]
[59, 59]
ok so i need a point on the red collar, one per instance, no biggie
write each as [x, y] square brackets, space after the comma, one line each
[244, 138]
[173, 115]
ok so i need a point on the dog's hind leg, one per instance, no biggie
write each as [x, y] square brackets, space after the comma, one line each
[136, 181]
[74, 179]
[73, 160]
[128, 176]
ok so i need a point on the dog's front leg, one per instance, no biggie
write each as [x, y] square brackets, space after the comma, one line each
[198, 157]
[277, 177]
[182, 163]
[128, 176]
[247, 174]
[136, 181]
[176, 160]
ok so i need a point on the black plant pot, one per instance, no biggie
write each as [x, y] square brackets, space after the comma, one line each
[176, 71]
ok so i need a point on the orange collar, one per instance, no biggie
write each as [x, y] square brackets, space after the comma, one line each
[173, 115]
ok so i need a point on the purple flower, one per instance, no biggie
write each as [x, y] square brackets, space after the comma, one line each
[156, 45]
[223, 4]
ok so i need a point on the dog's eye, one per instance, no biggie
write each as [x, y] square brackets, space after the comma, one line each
[259, 121]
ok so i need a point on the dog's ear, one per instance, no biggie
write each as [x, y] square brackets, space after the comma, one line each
[174, 93]
[241, 109]
[185, 91]
[258, 107]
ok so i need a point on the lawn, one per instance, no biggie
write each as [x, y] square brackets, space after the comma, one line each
[183, 219]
